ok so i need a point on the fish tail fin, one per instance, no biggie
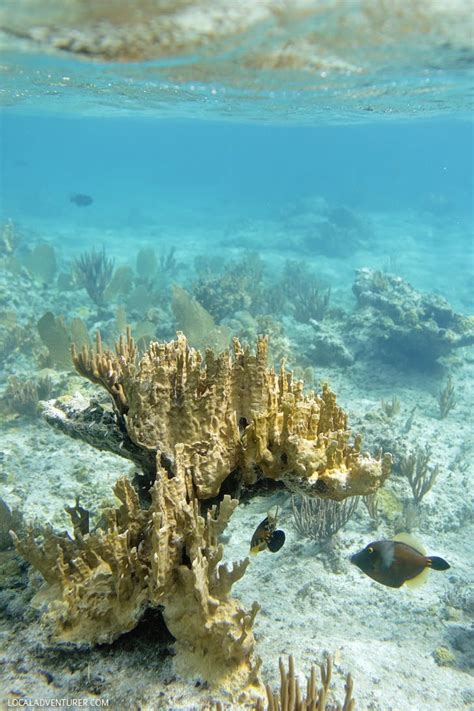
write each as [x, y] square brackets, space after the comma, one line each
[437, 563]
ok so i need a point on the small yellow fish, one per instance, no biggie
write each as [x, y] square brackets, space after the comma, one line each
[401, 560]
[266, 536]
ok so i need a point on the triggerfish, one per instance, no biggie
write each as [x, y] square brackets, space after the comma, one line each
[266, 536]
[81, 200]
[397, 562]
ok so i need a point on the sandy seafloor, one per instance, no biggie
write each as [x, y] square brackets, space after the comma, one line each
[313, 602]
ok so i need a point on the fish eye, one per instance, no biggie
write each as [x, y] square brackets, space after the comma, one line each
[370, 549]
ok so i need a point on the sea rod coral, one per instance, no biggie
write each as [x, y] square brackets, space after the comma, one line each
[191, 421]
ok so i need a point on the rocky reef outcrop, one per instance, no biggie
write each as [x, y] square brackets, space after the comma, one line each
[405, 324]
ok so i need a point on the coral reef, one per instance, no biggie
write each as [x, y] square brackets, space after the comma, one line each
[231, 413]
[406, 324]
[8, 519]
[99, 585]
[299, 289]
[191, 422]
[152, 278]
[327, 347]
[10, 238]
[121, 283]
[14, 336]
[239, 288]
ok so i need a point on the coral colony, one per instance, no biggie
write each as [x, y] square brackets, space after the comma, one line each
[192, 421]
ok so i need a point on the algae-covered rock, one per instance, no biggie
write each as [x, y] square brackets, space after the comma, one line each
[404, 324]
[328, 347]
[444, 657]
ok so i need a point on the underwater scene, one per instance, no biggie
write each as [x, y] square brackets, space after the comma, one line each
[236, 355]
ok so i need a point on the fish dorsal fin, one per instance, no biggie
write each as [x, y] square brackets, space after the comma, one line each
[419, 580]
[411, 541]
[273, 514]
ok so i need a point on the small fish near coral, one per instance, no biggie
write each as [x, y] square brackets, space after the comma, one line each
[81, 200]
[266, 537]
[397, 562]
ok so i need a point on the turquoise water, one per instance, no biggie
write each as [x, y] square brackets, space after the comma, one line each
[268, 194]
[146, 164]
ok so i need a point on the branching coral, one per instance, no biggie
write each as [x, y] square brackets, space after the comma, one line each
[420, 477]
[308, 298]
[106, 369]
[231, 412]
[93, 271]
[291, 697]
[321, 519]
[390, 407]
[167, 555]
[447, 399]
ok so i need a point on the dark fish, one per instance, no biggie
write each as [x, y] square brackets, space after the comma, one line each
[396, 562]
[266, 536]
[81, 200]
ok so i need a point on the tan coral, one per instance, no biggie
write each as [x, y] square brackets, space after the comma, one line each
[232, 412]
[98, 584]
[168, 555]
